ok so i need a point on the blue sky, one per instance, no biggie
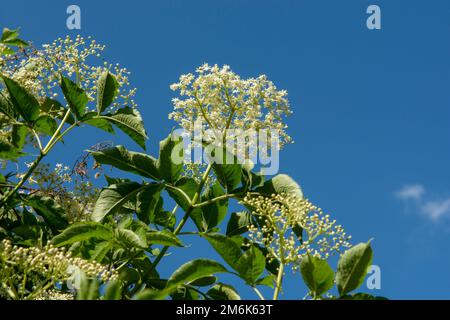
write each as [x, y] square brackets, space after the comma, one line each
[371, 108]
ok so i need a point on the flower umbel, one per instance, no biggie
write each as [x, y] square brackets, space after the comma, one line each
[43, 267]
[291, 227]
[221, 99]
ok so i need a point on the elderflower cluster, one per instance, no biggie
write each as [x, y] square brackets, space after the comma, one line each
[39, 70]
[279, 218]
[225, 102]
[55, 295]
[44, 265]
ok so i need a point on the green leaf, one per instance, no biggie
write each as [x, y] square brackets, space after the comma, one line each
[134, 162]
[11, 38]
[23, 101]
[187, 273]
[75, 97]
[147, 202]
[113, 197]
[239, 223]
[170, 161]
[113, 291]
[45, 124]
[183, 192]
[223, 292]
[194, 270]
[101, 250]
[164, 237]
[8, 151]
[102, 124]
[130, 122]
[82, 231]
[7, 108]
[48, 209]
[227, 170]
[251, 265]
[204, 282]
[129, 238]
[18, 136]
[362, 296]
[226, 248]
[107, 89]
[266, 281]
[352, 267]
[281, 183]
[317, 274]
[215, 212]
[165, 219]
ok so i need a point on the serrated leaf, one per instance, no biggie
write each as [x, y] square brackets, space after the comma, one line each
[134, 162]
[147, 202]
[75, 97]
[82, 231]
[130, 122]
[18, 136]
[45, 124]
[251, 265]
[107, 88]
[266, 281]
[48, 209]
[238, 223]
[8, 151]
[113, 197]
[352, 268]
[317, 275]
[129, 238]
[194, 270]
[7, 108]
[170, 162]
[164, 237]
[100, 251]
[281, 183]
[183, 194]
[225, 247]
[102, 124]
[226, 168]
[23, 101]
[215, 212]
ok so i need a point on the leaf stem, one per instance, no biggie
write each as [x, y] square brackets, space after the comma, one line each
[261, 297]
[185, 217]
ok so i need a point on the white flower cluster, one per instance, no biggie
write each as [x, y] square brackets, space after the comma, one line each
[55, 295]
[39, 70]
[44, 265]
[278, 217]
[223, 101]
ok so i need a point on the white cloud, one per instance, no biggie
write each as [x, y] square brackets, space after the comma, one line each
[432, 209]
[411, 192]
[436, 209]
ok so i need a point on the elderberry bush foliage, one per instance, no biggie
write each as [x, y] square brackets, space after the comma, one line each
[62, 237]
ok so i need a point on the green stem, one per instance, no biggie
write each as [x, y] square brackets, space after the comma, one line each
[279, 281]
[185, 217]
[36, 162]
[261, 297]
